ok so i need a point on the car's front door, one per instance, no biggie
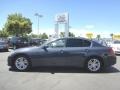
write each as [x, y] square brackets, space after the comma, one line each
[52, 54]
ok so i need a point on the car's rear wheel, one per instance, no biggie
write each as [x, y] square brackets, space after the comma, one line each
[94, 65]
[22, 63]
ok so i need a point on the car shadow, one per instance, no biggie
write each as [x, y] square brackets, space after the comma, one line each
[53, 70]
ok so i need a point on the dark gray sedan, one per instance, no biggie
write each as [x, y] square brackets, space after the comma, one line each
[75, 52]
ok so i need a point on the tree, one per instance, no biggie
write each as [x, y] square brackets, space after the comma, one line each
[112, 35]
[98, 36]
[89, 35]
[33, 35]
[18, 25]
[44, 36]
[3, 34]
[62, 34]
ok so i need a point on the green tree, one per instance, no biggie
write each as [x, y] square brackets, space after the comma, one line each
[98, 37]
[18, 25]
[44, 36]
[62, 34]
[33, 35]
[3, 34]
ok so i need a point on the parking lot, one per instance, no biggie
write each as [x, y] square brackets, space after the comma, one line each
[58, 78]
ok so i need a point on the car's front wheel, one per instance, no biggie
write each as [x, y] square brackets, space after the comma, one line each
[94, 65]
[22, 63]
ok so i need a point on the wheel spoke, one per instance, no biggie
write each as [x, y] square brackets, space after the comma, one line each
[93, 64]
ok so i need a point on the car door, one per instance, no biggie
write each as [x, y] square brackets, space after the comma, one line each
[52, 54]
[76, 51]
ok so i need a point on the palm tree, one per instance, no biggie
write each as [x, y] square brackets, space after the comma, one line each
[98, 36]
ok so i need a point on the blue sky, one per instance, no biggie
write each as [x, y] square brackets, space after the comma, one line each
[98, 16]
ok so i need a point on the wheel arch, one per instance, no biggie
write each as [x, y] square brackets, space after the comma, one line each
[94, 56]
[21, 54]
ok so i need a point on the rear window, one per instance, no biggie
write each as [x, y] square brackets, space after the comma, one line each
[100, 43]
[96, 44]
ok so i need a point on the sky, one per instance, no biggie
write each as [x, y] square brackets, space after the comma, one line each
[94, 16]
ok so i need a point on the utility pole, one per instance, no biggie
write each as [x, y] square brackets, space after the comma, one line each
[38, 17]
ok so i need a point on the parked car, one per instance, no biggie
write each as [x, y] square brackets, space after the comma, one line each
[4, 46]
[18, 42]
[116, 46]
[75, 52]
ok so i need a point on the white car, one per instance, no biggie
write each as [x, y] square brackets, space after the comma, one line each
[116, 46]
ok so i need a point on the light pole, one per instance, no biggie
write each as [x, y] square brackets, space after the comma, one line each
[38, 17]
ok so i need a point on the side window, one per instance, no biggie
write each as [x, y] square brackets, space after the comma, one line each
[57, 43]
[86, 43]
[74, 43]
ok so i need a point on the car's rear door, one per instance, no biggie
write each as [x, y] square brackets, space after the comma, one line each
[76, 51]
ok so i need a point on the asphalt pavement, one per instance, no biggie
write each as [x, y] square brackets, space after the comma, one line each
[50, 78]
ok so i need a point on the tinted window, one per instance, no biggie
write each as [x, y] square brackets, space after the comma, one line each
[86, 43]
[74, 43]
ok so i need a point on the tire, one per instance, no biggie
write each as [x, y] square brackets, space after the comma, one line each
[94, 65]
[21, 63]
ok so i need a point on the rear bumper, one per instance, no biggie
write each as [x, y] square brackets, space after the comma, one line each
[109, 61]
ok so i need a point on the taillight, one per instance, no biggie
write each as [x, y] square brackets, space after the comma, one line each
[110, 50]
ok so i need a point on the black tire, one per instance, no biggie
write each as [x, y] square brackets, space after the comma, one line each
[94, 65]
[27, 63]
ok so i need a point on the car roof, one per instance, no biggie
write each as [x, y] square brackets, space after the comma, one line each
[75, 38]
